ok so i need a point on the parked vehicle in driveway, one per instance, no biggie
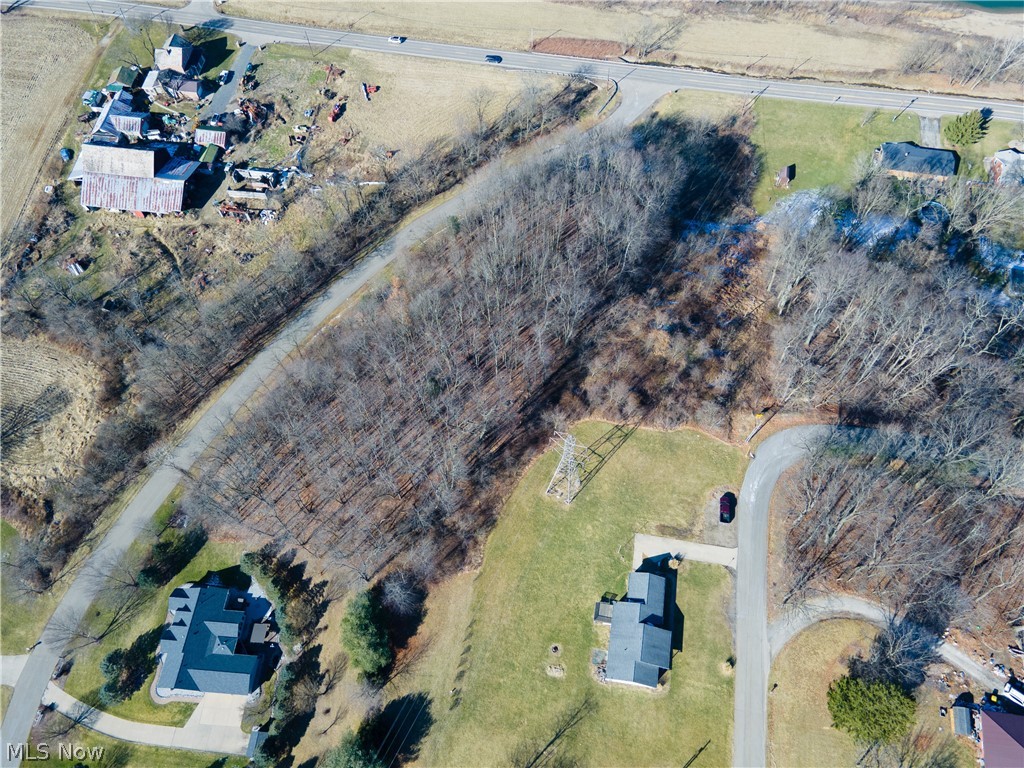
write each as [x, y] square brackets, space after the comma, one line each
[224, 76]
[727, 507]
[492, 58]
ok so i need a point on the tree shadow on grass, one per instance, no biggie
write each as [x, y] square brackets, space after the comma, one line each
[398, 731]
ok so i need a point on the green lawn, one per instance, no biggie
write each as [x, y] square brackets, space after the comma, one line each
[21, 616]
[822, 140]
[85, 678]
[545, 565]
[121, 753]
[998, 136]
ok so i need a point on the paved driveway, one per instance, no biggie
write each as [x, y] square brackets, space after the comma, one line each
[10, 668]
[645, 546]
[225, 95]
[215, 726]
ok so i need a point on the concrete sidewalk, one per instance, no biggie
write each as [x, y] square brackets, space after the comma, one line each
[215, 726]
[645, 545]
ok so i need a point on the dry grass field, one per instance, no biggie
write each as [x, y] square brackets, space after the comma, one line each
[43, 64]
[49, 409]
[855, 44]
[800, 731]
[419, 102]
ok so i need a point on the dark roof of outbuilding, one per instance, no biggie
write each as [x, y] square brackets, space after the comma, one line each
[908, 157]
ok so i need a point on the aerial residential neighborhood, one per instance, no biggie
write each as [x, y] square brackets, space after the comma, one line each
[536, 383]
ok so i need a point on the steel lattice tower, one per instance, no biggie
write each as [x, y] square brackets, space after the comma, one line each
[567, 480]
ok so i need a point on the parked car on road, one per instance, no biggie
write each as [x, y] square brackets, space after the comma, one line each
[492, 58]
[396, 39]
[727, 507]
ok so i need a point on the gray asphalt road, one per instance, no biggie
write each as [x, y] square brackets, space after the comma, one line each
[224, 95]
[667, 78]
[753, 658]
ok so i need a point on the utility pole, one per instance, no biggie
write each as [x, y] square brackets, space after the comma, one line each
[909, 104]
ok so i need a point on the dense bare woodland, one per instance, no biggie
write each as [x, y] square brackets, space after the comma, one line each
[925, 512]
[164, 346]
[383, 441]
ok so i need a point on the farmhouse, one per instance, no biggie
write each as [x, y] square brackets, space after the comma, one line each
[119, 118]
[216, 642]
[139, 179]
[908, 160]
[639, 647]
[167, 82]
[1002, 739]
[1006, 167]
[179, 55]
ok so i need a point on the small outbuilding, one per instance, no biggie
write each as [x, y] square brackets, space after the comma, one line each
[1006, 167]
[209, 134]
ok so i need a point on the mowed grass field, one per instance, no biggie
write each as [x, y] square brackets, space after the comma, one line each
[419, 102]
[805, 41]
[822, 140]
[44, 63]
[544, 567]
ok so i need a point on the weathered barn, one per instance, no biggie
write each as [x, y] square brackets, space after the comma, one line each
[139, 179]
[119, 118]
[208, 134]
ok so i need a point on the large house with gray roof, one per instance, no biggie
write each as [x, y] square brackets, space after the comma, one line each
[639, 647]
[214, 643]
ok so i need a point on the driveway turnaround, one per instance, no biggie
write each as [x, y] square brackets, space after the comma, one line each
[651, 546]
[839, 606]
[202, 13]
[215, 726]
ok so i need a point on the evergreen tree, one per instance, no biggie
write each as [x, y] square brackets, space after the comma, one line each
[965, 129]
[871, 712]
[364, 635]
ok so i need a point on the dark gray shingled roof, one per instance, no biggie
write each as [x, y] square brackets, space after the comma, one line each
[639, 648]
[200, 647]
[909, 158]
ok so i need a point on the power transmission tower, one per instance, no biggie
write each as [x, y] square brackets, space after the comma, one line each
[567, 480]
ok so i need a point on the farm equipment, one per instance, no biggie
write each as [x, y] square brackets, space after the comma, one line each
[249, 82]
[231, 211]
[368, 89]
[336, 111]
[253, 110]
[333, 72]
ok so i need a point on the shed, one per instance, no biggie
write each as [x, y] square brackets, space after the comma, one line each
[122, 78]
[962, 724]
[149, 84]
[209, 134]
[209, 154]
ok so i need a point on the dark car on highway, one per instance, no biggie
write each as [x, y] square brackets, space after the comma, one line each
[492, 58]
[727, 508]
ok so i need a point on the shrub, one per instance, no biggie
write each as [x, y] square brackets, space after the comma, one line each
[871, 712]
[364, 635]
[352, 753]
[965, 129]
